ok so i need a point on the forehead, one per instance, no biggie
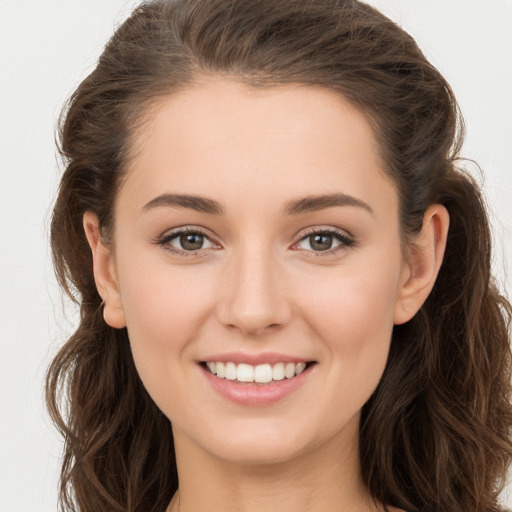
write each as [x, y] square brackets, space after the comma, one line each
[223, 136]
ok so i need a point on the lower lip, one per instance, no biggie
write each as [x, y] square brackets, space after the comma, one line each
[252, 394]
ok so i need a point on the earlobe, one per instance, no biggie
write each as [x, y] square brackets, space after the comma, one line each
[426, 257]
[104, 273]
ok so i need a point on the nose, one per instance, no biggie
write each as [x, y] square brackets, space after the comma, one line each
[254, 299]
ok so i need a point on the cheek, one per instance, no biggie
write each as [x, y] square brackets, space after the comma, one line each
[351, 303]
[161, 301]
[351, 315]
[164, 311]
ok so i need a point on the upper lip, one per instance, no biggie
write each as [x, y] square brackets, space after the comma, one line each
[254, 359]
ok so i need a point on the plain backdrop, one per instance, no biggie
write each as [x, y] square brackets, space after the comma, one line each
[46, 48]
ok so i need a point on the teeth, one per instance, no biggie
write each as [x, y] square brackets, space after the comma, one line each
[245, 373]
[300, 368]
[289, 371]
[261, 374]
[220, 370]
[278, 371]
[230, 371]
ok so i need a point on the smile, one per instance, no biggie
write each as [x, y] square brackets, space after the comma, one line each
[259, 374]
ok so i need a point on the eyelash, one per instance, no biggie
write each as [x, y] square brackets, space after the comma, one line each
[164, 241]
[344, 239]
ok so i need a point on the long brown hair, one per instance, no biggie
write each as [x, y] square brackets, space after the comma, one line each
[435, 435]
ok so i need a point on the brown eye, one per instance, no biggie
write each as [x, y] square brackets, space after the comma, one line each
[325, 240]
[187, 241]
[320, 241]
[191, 241]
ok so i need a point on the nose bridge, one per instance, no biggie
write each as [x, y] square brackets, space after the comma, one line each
[254, 297]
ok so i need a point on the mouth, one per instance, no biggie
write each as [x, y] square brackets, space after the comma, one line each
[261, 374]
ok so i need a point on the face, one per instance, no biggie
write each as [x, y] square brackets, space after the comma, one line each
[257, 237]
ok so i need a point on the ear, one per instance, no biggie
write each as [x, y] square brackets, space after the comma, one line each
[425, 259]
[104, 273]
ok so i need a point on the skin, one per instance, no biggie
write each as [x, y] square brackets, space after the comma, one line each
[258, 285]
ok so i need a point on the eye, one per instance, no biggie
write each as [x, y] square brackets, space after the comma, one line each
[190, 242]
[321, 241]
[185, 241]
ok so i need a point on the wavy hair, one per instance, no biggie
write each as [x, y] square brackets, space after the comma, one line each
[435, 435]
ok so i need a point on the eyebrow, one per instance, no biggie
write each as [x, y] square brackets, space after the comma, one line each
[200, 204]
[296, 207]
[320, 202]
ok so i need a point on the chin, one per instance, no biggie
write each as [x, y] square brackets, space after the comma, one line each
[267, 443]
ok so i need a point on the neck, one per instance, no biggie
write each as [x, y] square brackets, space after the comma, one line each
[326, 478]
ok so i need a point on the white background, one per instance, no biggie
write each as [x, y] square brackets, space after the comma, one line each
[46, 47]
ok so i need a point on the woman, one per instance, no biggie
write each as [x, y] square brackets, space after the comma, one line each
[282, 273]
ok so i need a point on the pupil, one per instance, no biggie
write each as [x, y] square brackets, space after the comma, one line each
[321, 242]
[191, 241]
